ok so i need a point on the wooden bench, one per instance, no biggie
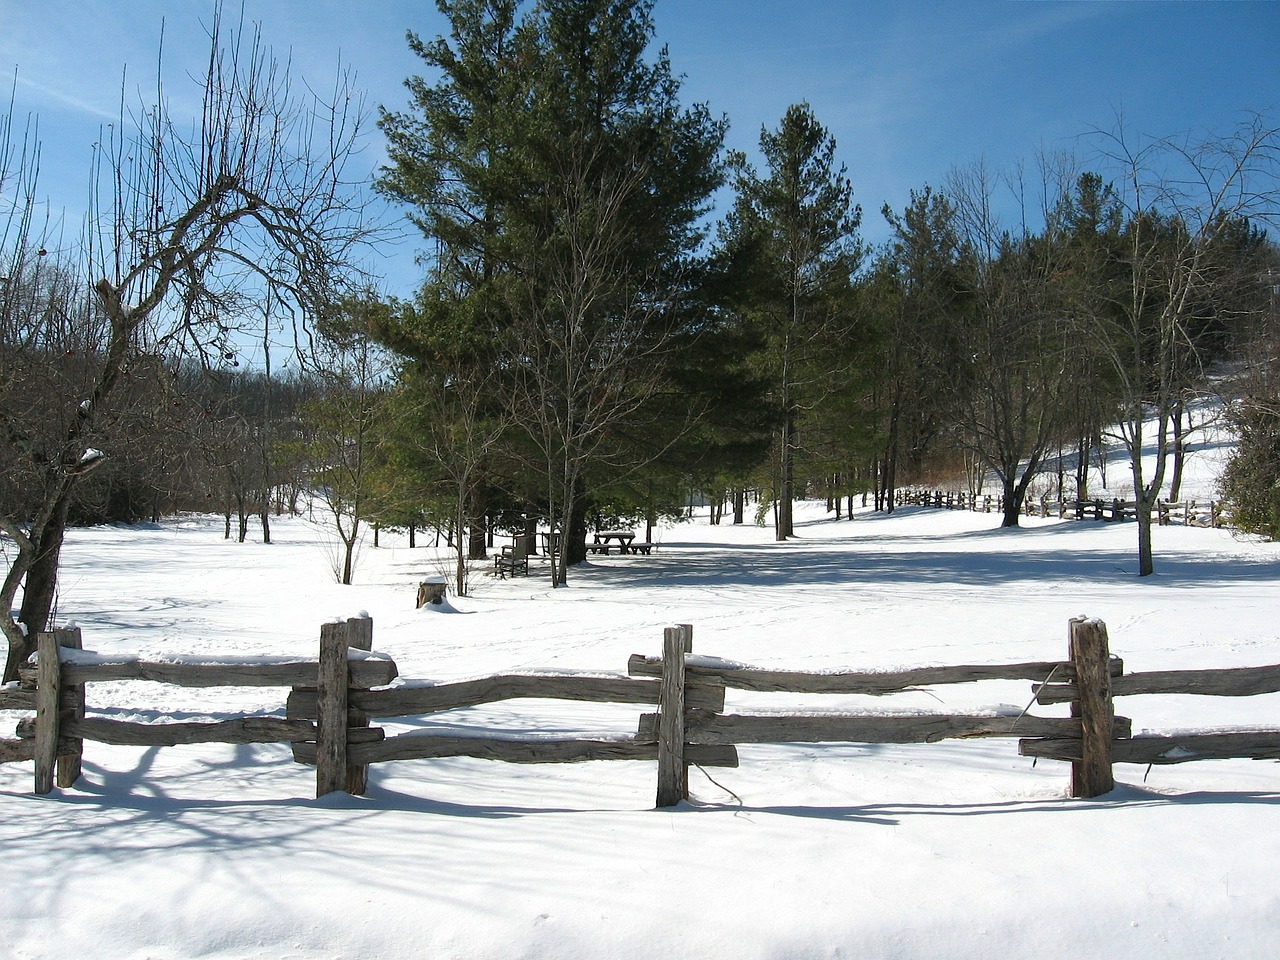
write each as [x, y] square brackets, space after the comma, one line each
[514, 559]
[641, 548]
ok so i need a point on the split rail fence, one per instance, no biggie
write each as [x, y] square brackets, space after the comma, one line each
[1189, 513]
[334, 699]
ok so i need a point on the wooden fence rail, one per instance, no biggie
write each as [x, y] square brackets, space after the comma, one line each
[1155, 748]
[335, 698]
[1187, 512]
[55, 690]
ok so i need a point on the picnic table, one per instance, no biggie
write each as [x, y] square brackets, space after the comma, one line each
[604, 537]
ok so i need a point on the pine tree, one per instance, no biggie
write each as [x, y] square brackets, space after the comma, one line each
[797, 227]
[564, 188]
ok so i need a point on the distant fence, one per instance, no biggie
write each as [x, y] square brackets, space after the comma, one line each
[334, 699]
[1191, 513]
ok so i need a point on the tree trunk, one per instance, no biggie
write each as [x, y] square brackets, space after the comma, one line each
[889, 475]
[1082, 469]
[889, 493]
[739, 505]
[42, 577]
[460, 573]
[1012, 503]
[785, 525]
[1146, 556]
[1179, 452]
[576, 542]
[41, 584]
[573, 528]
[348, 558]
[477, 548]
[459, 553]
[1146, 492]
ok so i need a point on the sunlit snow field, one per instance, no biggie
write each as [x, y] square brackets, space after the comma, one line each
[956, 849]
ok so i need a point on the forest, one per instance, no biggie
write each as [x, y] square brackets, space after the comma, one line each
[616, 312]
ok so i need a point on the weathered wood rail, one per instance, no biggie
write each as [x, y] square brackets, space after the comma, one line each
[1092, 738]
[334, 699]
[1186, 512]
[1154, 748]
[55, 689]
[704, 727]
[424, 699]
[327, 713]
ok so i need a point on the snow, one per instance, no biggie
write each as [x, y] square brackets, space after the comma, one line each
[94, 658]
[959, 849]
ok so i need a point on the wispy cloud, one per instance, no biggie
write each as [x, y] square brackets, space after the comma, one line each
[66, 99]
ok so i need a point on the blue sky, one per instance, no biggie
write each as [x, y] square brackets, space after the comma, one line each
[909, 89]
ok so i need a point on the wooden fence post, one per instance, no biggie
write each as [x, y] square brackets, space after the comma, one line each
[69, 762]
[359, 637]
[48, 709]
[673, 774]
[1091, 776]
[331, 709]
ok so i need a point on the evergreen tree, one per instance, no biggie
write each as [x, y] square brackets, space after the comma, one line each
[564, 187]
[443, 166]
[797, 226]
[919, 290]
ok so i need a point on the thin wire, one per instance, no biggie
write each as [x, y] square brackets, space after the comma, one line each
[1035, 696]
[720, 785]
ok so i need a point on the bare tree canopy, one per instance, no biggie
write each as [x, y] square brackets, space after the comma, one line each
[191, 222]
[1188, 204]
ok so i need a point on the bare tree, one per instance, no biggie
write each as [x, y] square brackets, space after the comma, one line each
[609, 181]
[191, 222]
[451, 415]
[1185, 200]
[345, 420]
[1009, 365]
[578, 376]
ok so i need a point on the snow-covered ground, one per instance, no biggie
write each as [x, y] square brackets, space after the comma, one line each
[956, 849]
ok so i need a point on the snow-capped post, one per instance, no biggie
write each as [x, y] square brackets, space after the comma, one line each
[673, 774]
[332, 677]
[431, 591]
[73, 705]
[1091, 775]
[359, 637]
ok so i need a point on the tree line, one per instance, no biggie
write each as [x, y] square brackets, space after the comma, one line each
[583, 320]
[589, 343]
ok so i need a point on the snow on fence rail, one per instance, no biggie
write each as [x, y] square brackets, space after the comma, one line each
[1190, 513]
[334, 698]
